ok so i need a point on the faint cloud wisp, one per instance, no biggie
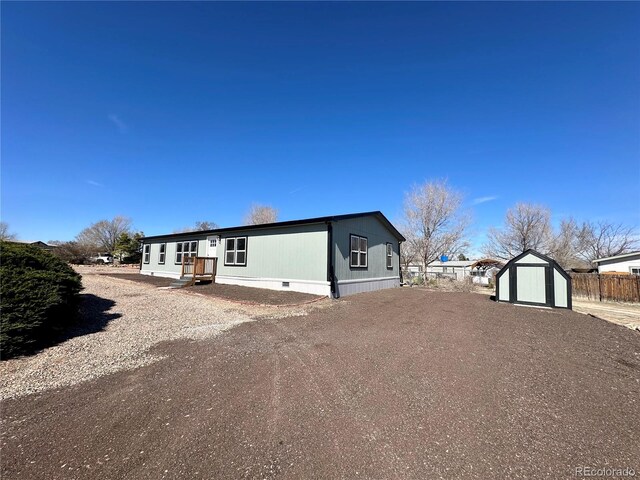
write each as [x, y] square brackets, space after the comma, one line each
[479, 200]
[94, 183]
[117, 121]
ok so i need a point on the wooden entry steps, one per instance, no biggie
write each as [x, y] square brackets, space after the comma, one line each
[195, 269]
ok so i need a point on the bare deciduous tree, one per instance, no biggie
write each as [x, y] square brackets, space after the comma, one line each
[205, 225]
[103, 235]
[73, 252]
[564, 246]
[526, 226]
[605, 239]
[433, 221]
[5, 234]
[407, 257]
[259, 214]
[199, 226]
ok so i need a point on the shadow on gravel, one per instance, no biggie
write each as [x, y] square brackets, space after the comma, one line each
[93, 317]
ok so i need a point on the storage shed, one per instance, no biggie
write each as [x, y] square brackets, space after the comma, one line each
[534, 279]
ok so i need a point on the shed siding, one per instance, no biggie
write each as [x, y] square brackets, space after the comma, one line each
[290, 253]
[532, 259]
[378, 236]
[560, 289]
[504, 286]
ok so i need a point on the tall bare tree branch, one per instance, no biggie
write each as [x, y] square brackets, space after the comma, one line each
[526, 226]
[5, 234]
[103, 235]
[260, 214]
[433, 222]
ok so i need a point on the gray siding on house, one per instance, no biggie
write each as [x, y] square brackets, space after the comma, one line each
[298, 252]
[378, 236]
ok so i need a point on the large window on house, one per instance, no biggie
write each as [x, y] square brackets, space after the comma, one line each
[162, 254]
[634, 270]
[235, 251]
[358, 254]
[147, 253]
[389, 256]
[186, 249]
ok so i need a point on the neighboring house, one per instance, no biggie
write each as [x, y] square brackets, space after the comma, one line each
[36, 243]
[334, 256]
[455, 269]
[482, 271]
[628, 263]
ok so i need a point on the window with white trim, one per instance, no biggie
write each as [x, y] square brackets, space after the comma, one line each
[235, 251]
[389, 256]
[213, 242]
[162, 253]
[147, 253]
[634, 270]
[186, 249]
[358, 251]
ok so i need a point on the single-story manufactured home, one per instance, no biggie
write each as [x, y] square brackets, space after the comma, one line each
[627, 263]
[334, 256]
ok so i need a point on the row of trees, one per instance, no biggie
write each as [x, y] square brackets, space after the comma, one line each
[118, 237]
[435, 223]
[572, 244]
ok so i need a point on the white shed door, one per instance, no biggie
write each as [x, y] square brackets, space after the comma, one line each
[531, 285]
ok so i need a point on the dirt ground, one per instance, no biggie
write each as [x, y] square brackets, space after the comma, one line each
[234, 293]
[401, 383]
[626, 314]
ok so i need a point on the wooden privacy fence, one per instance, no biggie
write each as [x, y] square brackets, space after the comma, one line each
[618, 288]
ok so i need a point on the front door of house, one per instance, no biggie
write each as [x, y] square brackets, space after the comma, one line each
[212, 246]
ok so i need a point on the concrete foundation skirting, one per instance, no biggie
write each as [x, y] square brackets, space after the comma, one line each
[351, 287]
[302, 286]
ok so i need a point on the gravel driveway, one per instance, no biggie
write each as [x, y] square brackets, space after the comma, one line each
[122, 321]
[401, 383]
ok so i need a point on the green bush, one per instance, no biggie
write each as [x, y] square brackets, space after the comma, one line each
[39, 296]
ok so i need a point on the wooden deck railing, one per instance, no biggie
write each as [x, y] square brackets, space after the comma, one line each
[199, 268]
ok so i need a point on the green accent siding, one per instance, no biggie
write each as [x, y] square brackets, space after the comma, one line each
[377, 235]
[284, 253]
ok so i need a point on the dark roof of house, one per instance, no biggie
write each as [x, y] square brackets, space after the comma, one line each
[291, 223]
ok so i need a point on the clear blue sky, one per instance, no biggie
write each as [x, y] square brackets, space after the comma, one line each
[171, 113]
